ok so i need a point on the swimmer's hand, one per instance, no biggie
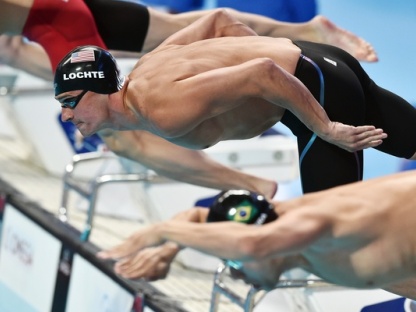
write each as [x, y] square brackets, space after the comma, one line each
[149, 264]
[353, 138]
[145, 237]
[134, 260]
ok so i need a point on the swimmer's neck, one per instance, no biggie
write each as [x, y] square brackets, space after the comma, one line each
[122, 114]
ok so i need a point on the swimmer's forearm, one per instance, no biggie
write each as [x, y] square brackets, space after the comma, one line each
[197, 168]
[181, 164]
[38, 64]
[15, 51]
[262, 25]
[284, 89]
[226, 240]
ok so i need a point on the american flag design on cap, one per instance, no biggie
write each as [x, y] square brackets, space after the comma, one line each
[83, 56]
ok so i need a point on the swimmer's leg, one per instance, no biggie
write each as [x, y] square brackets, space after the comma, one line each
[324, 165]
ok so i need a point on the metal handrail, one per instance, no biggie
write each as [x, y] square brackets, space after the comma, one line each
[90, 193]
[248, 303]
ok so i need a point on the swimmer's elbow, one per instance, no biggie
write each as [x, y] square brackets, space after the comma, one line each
[264, 75]
[274, 82]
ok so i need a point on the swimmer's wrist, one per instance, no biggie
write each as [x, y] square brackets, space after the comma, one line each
[173, 231]
[158, 230]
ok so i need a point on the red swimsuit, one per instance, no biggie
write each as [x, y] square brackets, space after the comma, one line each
[61, 25]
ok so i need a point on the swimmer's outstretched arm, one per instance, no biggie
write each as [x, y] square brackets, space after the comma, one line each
[29, 56]
[319, 29]
[339, 234]
[219, 23]
[208, 94]
[182, 164]
[151, 263]
[285, 90]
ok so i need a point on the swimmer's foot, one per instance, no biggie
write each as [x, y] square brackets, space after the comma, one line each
[353, 138]
[150, 264]
[329, 33]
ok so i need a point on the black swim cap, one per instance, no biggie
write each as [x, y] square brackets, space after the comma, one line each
[88, 68]
[241, 206]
